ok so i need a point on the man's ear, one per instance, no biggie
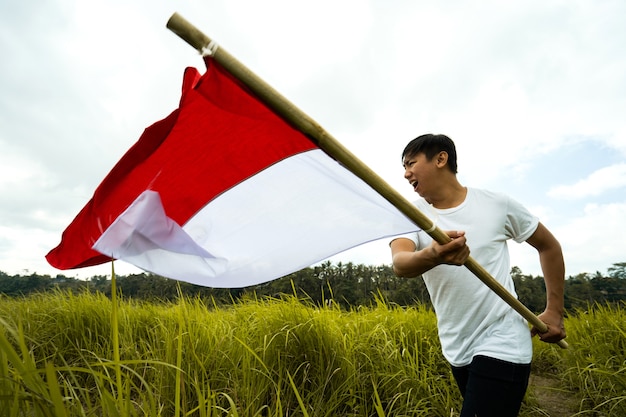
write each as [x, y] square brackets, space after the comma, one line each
[442, 159]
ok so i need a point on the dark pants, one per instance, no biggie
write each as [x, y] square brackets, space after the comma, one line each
[491, 387]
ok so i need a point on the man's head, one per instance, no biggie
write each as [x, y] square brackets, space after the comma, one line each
[431, 145]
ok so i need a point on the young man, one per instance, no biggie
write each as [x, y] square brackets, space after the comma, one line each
[487, 343]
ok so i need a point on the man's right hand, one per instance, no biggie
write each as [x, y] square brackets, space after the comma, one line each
[454, 252]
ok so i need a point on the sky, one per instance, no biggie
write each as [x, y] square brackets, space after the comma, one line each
[533, 93]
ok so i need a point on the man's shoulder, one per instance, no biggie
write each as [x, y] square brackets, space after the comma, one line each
[499, 202]
[487, 194]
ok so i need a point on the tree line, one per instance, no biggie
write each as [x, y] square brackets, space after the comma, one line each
[346, 284]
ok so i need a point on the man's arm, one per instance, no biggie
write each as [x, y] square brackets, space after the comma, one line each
[553, 267]
[410, 263]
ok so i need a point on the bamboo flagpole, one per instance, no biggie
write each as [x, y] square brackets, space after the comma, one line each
[298, 119]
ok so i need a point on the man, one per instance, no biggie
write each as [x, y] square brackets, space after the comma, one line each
[487, 343]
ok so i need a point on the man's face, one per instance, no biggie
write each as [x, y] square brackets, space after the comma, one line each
[420, 172]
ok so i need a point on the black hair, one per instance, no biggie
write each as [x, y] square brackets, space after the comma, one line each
[430, 145]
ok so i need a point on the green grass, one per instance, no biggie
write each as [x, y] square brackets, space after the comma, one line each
[264, 357]
[598, 368]
[259, 357]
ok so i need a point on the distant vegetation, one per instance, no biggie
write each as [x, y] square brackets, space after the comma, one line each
[346, 284]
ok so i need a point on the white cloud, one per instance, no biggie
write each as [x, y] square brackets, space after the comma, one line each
[596, 239]
[597, 183]
[15, 169]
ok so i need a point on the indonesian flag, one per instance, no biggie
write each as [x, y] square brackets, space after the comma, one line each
[224, 193]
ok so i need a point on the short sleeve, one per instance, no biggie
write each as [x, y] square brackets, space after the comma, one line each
[521, 223]
[411, 236]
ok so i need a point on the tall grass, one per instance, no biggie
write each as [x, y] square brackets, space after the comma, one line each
[599, 366]
[263, 357]
[593, 371]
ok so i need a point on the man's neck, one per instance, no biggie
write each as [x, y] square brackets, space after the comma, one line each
[450, 197]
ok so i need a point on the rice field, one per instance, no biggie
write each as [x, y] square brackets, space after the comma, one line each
[63, 354]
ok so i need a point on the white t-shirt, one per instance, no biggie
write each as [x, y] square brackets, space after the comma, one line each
[472, 319]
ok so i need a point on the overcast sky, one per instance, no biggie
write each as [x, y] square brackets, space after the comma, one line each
[532, 92]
